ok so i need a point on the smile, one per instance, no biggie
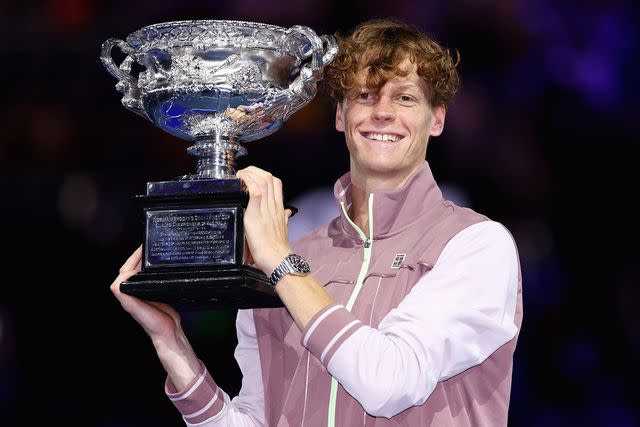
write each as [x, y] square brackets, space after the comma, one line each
[385, 137]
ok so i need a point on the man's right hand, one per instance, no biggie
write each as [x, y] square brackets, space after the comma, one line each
[162, 323]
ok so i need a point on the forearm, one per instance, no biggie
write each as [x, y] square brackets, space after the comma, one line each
[203, 403]
[303, 296]
[178, 359]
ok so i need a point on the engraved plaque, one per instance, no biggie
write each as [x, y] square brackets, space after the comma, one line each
[191, 237]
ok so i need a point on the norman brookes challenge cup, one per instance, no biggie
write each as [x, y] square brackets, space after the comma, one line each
[217, 84]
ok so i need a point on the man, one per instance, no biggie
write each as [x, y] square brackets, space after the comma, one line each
[412, 307]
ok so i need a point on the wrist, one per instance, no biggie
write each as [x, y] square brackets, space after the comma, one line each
[179, 361]
[274, 260]
[292, 264]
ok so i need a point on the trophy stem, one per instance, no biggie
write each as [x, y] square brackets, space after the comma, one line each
[216, 157]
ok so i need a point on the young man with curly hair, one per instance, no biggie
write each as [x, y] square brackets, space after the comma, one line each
[412, 307]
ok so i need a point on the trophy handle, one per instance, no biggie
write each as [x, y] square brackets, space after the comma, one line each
[323, 50]
[127, 84]
[330, 50]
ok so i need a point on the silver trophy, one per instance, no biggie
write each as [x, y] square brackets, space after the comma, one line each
[217, 84]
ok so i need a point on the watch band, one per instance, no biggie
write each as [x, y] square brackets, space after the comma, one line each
[292, 264]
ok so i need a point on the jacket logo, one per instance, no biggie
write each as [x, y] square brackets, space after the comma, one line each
[397, 260]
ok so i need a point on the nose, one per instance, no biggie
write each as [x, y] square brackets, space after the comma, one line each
[383, 109]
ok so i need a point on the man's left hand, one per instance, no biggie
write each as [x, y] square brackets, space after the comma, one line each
[265, 219]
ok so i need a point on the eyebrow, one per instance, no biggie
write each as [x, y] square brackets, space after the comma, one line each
[406, 86]
[401, 87]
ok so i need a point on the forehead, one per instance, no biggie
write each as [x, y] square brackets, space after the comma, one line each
[410, 82]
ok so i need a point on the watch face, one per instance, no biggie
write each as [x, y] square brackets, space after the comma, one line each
[299, 264]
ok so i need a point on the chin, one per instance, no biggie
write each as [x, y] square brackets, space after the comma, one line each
[386, 169]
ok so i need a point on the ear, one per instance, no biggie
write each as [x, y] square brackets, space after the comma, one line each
[437, 127]
[340, 117]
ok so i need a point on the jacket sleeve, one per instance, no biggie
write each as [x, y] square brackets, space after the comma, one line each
[204, 404]
[455, 317]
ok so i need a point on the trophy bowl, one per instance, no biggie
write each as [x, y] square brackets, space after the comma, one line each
[217, 84]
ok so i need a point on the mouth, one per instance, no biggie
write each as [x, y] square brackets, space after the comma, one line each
[382, 136]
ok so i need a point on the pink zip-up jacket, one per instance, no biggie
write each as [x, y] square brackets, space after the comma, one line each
[422, 333]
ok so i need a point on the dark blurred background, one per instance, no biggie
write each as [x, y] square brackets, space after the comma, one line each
[543, 137]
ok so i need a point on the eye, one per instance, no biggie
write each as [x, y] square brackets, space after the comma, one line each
[406, 99]
[365, 97]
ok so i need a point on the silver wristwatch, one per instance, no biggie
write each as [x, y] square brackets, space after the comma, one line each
[292, 264]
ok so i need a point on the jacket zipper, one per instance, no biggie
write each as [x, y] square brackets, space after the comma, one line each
[367, 241]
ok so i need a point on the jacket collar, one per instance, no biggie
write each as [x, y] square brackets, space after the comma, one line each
[393, 210]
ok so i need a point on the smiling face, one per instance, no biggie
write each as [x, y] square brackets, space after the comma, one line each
[387, 129]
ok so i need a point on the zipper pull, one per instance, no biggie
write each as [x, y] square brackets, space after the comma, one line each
[367, 243]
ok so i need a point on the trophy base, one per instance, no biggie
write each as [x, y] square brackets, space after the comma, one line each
[235, 287]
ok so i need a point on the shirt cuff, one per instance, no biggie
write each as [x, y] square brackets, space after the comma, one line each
[201, 400]
[327, 330]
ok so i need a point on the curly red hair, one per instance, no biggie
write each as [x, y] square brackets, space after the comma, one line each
[381, 46]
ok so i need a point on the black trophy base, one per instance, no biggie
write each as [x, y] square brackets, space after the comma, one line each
[234, 287]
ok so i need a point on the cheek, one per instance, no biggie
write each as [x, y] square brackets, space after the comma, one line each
[423, 127]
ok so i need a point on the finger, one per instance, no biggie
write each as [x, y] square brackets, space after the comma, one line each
[251, 186]
[293, 210]
[287, 214]
[260, 186]
[270, 184]
[134, 261]
[264, 180]
[270, 205]
[253, 170]
[122, 277]
[278, 194]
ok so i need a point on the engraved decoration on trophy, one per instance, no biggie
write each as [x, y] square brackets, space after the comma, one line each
[218, 85]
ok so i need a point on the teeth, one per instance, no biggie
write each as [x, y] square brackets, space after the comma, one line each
[382, 137]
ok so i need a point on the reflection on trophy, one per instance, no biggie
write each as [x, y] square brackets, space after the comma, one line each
[218, 84]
